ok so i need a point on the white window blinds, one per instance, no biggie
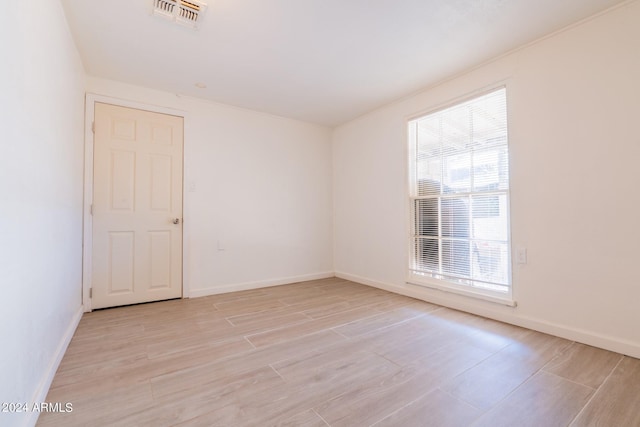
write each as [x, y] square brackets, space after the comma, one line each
[459, 166]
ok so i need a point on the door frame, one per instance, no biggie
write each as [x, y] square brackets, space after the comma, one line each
[87, 227]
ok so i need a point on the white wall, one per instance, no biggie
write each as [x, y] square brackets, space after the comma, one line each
[574, 105]
[41, 123]
[260, 213]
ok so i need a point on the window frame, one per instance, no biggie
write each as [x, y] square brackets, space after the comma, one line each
[442, 284]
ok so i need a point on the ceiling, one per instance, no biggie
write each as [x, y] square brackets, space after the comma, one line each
[321, 61]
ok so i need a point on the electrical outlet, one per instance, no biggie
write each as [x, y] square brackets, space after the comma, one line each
[521, 255]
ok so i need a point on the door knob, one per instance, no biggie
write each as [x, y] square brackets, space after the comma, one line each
[176, 220]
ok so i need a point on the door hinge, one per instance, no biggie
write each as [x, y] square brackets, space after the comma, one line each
[91, 209]
[90, 292]
[93, 127]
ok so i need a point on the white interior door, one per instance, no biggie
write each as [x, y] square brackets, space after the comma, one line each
[137, 206]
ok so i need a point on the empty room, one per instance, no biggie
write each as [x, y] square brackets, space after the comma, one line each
[320, 213]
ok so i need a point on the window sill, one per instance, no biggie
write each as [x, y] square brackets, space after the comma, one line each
[450, 288]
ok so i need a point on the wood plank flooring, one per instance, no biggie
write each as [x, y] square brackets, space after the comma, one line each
[331, 353]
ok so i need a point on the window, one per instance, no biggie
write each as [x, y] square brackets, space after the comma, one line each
[459, 196]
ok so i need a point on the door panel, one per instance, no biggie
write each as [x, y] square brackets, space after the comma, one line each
[121, 262]
[160, 259]
[137, 249]
[160, 183]
[122, 180]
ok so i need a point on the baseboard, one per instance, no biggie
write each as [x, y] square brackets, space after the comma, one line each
[506, 315]
[41, 393]
[202, 292]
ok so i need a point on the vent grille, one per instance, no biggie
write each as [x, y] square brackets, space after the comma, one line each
[188, 13]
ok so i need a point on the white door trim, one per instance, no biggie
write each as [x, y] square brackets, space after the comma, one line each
[87, 239]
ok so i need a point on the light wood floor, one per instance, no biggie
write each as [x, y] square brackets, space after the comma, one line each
[331, 352]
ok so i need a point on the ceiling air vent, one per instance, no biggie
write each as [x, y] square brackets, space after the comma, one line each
[188, 13]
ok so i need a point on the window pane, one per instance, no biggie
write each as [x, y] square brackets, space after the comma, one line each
[457, 173]
[455, 217]
[490, 170]
[427, 254]
[490, 261]
[428, 187]
[426, 215]
[455, 257]
[489, 121]
[489, 213]
[456, 127]
[428, 157]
